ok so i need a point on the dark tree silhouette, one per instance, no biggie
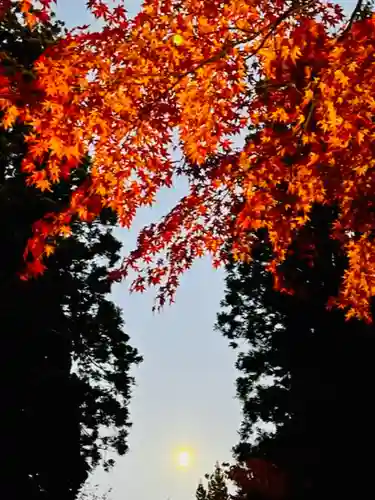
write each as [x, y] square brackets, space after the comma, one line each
[306, 374]
[65, 359]
[216, 489]
[201, 493]
[217, 485]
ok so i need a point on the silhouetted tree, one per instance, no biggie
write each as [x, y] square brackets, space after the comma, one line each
[216, 486]
[306, 374]
[91, 493]
[201, 493]
[65, 359]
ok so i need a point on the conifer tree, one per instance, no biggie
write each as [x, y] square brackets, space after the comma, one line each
[305, 373]
[201, 493]
[217, 487]
[65, 359]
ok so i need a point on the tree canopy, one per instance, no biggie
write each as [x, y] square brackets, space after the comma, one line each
[216, 489]
[194, 66]
[254, 479]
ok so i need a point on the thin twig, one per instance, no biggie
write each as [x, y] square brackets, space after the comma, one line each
[351, 20]
[275, 25]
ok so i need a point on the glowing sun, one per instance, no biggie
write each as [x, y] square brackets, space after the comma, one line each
[184, 459]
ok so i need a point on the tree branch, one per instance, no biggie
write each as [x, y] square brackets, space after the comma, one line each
[351, 20]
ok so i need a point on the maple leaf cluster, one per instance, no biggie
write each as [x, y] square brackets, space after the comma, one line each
[33, 12]
[291, 75]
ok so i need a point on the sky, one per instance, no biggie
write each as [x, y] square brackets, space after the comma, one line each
[185, 388]
[185, 392]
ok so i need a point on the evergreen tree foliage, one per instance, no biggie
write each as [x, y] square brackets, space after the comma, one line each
[65, 384]
[217, 487]
[306, 374]
[201, 493]
[93, 493]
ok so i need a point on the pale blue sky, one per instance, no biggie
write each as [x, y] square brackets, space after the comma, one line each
[185, 386]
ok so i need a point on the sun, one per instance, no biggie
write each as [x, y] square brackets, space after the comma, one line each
[183, 458]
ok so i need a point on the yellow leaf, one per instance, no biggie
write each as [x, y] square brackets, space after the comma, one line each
[178, 40]
[305, 139]
[10, 117]
[308, 97]
[284, 52]
[268, 56]
[360, 137]
[43, 185]
[48, 250]
[335, 141]
[101, 190]
[314, 157]
[65, 231]
[294, 53]
[331, 113]
[204, 25]
[307, 70]
[343, 79]
[56, 146]
[82, 213]
[362, 169]
[338, 51]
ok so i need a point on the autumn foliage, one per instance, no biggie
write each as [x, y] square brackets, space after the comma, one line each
[295, 76]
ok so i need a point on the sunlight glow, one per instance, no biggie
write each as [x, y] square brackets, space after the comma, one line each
[184, 459]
